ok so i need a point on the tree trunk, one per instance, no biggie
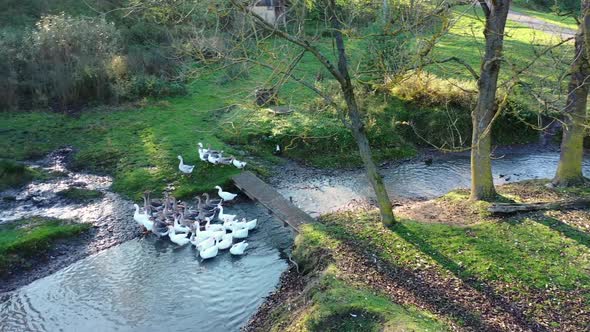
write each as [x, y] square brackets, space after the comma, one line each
[569, 170]
[508, 208]
[357, 127]
[482, 184]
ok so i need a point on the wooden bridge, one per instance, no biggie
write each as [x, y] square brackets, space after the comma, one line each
[259, 191]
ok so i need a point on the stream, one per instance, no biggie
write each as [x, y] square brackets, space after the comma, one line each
[319, 191]
[146, 284]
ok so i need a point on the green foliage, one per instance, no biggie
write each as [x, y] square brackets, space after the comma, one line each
[27, 238]
[62, 63]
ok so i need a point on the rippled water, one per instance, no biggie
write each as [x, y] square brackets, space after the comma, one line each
[319, 192]
[152, 285]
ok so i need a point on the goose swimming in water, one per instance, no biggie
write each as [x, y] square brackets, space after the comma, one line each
[238, 248]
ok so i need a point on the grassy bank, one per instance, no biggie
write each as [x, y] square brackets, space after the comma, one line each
[332, 302]
[138, 143]
[526, 270]
[31, 238]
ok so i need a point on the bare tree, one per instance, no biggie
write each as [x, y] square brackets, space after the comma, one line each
[569, 170]
[351, 113]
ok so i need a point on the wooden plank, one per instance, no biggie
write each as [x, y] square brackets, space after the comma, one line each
[266, 195]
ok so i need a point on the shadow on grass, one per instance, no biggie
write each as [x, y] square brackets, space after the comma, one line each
[566, 230]
[487, 291]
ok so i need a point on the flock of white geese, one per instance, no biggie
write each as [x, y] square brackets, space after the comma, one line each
[183, 225]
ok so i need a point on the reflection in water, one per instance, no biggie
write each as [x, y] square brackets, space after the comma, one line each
[318, 192]
[151, 285]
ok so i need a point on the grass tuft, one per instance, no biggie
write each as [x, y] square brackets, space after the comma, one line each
[27, 238]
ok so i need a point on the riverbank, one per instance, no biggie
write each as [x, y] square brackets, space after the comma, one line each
[77, 201]
[526, 272]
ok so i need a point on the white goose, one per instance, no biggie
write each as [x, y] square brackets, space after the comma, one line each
[209, 252]
[225, 242]
[226, 196]
[238, 248]
[186, 169]
[143, 218]
[241, 233]
[180, 228]
[238, 164]
[251, 224]
[210, 242]
[224, 217]
[202, 235]
[213, 227]
[178, 238]
[213, 158]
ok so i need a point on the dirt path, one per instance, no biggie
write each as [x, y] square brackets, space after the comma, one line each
[538, 24]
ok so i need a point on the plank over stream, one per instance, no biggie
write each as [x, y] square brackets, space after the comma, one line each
[266, 195]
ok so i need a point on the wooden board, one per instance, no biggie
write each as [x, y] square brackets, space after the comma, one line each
[266, 195]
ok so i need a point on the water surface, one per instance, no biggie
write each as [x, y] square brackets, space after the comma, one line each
[152, 285]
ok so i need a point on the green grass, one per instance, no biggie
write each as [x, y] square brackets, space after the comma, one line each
[27, 238]
[523, 253]
[13, 174]
[338, 306]
[80, 195]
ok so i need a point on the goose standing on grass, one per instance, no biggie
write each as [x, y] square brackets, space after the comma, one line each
[226, 196]
[186, 169]
[225, 161]
[213, 158]
[238, 164]
[238, 248]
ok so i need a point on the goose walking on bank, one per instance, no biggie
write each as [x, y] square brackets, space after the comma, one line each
[238, 164]
[186, 169]
[143, 219]
[225, 195]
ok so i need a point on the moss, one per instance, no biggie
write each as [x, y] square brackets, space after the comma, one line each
[13, 174]
[31, 237]
[80, 195]
[339, 306]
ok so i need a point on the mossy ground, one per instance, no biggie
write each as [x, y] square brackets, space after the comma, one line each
[30, 238]
[331, 303]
